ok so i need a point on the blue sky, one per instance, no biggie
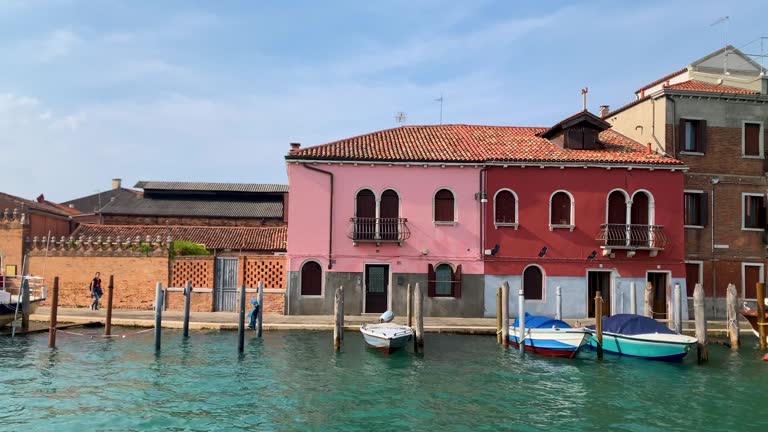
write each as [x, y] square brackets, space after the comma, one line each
[215, 91]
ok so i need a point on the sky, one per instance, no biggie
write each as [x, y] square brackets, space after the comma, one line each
[184, 90]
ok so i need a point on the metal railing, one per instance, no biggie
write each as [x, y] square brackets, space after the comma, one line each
[369, 229]
[632, 236]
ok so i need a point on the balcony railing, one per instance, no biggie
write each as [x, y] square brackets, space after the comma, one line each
[632, 236]
[378, 230]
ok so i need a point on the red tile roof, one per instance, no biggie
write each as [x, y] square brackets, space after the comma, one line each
[476, 144]
[271, 239]
[662, 79]
[702, 86]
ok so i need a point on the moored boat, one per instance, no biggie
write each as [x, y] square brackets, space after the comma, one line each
[385, 335]
[10, 304]
[640, 336]
[549, 336]
[751, 316]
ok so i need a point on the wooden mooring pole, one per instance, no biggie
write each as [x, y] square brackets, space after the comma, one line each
[559, 305]
[418, 316]
[409, 305]
[54, 313]
[677, 312]
[187, 304]
[241, 321]
[648, 300]
[498, 315]
[505, 314]
[702, 352]
[632, 298]
[733, 319]
[24, 304]
[599, 323]
[761, 324]
[337, 320]
[158, 314]
[521, 320]
[110, 293]
[261, 309]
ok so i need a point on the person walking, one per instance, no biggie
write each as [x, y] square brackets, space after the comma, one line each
[96, 291]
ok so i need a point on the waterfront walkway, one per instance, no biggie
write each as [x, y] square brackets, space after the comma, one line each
[228, 321]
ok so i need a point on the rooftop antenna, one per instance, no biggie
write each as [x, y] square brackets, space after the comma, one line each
[584, 92]
[727, 21]
[440, 99]
[400, 117]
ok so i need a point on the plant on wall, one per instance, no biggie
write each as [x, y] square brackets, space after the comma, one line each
[188, 248]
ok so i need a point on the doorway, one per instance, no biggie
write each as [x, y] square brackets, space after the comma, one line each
[225, 285]
[659, 304]
[598, 281]
[376, 288]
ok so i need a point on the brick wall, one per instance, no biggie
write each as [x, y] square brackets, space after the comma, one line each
[200, 302]
[723, 153]
[12, 234]
[197, 221]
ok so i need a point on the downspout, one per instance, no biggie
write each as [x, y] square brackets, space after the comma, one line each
[330, 216]
[483, 181]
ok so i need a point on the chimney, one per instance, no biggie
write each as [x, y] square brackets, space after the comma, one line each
[764, 85]
[116, 183]
[295, 147]
[648, 149]
[604, 110]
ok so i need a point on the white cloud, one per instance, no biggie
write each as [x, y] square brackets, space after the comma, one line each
[60, 43]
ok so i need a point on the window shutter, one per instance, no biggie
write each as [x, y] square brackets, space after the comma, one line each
[701, 136]
[430, 280]
[457, 282]
[704, 209]
[680, 136]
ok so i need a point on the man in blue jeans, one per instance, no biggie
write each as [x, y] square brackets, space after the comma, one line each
[96, 292]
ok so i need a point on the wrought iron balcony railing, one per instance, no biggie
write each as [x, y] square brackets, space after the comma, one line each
[378, 230]
[632, 236]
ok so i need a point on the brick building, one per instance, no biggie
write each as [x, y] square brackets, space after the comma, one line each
[712, 115]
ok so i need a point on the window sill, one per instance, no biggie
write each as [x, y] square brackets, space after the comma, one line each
[311, 296]
[752, 157]
[443, 297]
[753, 229]
[568, 227]
[445, 223]
[691, 153]
[693, 226]
[505, 224]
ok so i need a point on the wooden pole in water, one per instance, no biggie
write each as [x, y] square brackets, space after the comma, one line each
[187, 304]
[632, 298]
[261, 308]
[158, 314]
[677, 313]
[418, 316]
[648, 300]
[733, 319]
[336, 323]
[761, 313]
[559, 306]
[498, 315]
[409, 306]
[241, 321]
[54, 313]
[110, 293]
[505, 314]
[341, 314]
[702, 353]
[24, 304]
[599, 323]
[521, 320]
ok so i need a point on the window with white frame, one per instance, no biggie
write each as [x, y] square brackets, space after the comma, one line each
[753, 211]
[505, 208]
[752, 139]
[696, 208]
[561, 211]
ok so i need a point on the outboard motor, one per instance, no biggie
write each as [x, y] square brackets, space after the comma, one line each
[386, 317]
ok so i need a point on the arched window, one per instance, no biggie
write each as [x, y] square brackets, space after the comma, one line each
[365, 215]
[533, 283]
[311, 279]
[444, 206]
[443, 276]
[443, 281]
[505, 205]
[616, 218]
[389, 212]
[561, 210]
[640, 218]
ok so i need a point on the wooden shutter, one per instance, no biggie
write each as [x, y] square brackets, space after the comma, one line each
[444, 206]
[505, 207]
[751, 139]
[691, 277]
[561, 209]
[311, 278]
[590, 139]
[680, 136]
[704, 208]
[532, 283]
[617, 208]
[751, 278]
[701, 136]
[456, 279]
[431, 280]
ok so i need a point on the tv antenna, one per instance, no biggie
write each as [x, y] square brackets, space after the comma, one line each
[727, 20]
[440, 99]
[400, 117]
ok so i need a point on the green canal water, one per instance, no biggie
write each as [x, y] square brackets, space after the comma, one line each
[291, 381]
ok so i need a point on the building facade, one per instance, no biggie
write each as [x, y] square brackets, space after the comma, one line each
[712, 116]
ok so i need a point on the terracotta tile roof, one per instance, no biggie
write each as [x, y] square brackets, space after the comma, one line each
[71, 210]
[702, 86]
[23, 204]
[475, 144]
[271, 239]
[662, 79]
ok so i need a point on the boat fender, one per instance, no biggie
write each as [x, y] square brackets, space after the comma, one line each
[386, 317]
[765, 358]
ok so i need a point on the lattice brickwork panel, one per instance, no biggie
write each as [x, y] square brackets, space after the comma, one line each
[269, 269]
[199, 271]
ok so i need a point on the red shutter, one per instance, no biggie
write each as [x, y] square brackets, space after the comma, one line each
[751, 278]
[680, 136]
[691, 277]
[505, 207]
[430, 280]
[701, 136]
[751, 139]
[444, 206]
[704, 209]
[561, 209]
[456, 279]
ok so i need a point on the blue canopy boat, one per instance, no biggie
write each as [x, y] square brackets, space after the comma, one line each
[640, 336]
[549, 336]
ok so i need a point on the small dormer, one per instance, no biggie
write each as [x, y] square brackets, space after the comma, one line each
[578, 132]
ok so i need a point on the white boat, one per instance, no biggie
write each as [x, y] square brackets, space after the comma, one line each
[386, 336]
[549, 336]
[640, 336]
[10, 304]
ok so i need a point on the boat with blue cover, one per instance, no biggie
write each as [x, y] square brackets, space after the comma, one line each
[549, 336]
[640, 336]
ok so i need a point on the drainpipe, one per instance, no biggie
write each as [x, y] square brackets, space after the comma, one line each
[674, 124]
[714, 181]
[483, 181]
[330, 216]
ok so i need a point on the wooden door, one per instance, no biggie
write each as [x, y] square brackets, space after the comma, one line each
[752, 275]
[365, 215]
[640, 235]
[598, 281]
[389, 214]
[376, 287]
[659, 304]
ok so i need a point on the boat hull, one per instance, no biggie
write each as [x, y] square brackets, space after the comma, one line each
[644, 346]
[386, 339]
[751, 317]
[557, 342]
[8, 311]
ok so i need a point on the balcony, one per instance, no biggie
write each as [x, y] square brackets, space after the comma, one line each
[378, 230]
[631, 238]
